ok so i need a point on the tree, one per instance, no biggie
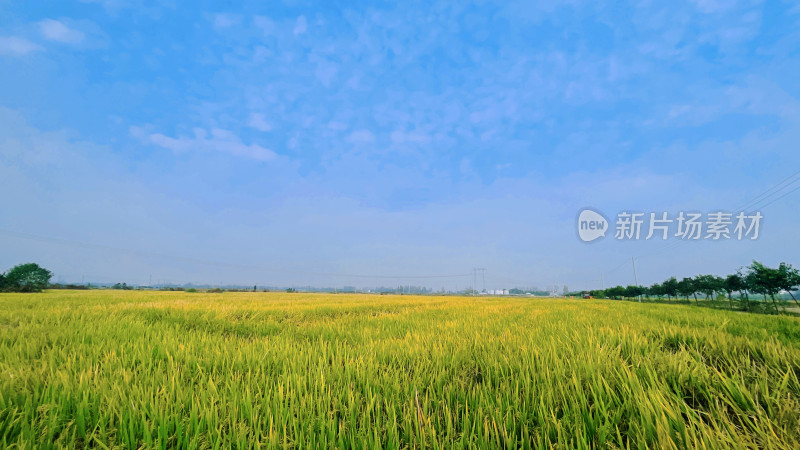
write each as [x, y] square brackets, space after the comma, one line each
[633, 291]
[745, 291]
[764, 280]
[733, 283]
[753, 285]
[28, 277]
[655, 290]
[686, 288]
[614, 292]
[789, 279]
[598, 294]
[708, 284]
[670, 288]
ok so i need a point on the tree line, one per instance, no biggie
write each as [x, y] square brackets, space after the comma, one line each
[747, 283]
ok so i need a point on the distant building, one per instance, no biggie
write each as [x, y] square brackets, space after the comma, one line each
[497, 291]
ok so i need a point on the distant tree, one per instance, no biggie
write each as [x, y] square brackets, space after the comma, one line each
[633, 291]
[686, 288]
[28, 277]
[744, 292]
[2, 281]
[765, 281]
[789, 279]
[708, 285]
[123, 286]
[615, 292]
[598, 294]
[733, 283]
[753, 285]
[719, 285]
[656, 290]
[670, 287]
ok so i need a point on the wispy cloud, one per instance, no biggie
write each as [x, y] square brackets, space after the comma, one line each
[361, 137]
[216, 140]
[55, 30]
[226, 20]
[259, 122]
[402, 137]
[300, 26]
[17, 46]
[110, 4]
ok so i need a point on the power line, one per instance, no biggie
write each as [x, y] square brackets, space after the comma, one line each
[769, 192]
[766, 195]
[617, 268]
[752, 203]
[784, 195]
[475, 271]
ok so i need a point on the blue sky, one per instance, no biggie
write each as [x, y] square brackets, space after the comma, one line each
[409, 138]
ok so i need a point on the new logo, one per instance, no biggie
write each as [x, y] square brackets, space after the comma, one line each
[591, 225]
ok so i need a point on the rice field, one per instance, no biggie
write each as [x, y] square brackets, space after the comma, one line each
[131, 369]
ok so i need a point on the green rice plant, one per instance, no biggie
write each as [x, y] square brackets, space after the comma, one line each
[138, 369]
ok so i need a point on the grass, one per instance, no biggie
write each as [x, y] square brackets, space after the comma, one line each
[757, 304]
[130, 369]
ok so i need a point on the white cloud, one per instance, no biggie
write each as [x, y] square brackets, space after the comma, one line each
[226, 20]
[337, 126]
[401, 137]
[58, 31]
[265, 23]
[109, 4]
[361, 137]
[326, 72]
[713, 6]
[300, 26]
[259, 122]
[218, 140]
[17, 46]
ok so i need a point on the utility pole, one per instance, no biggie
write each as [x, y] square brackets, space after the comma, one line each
[474, 280]
[635, 279]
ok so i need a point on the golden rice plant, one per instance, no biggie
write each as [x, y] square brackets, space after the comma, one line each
[133, 369]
